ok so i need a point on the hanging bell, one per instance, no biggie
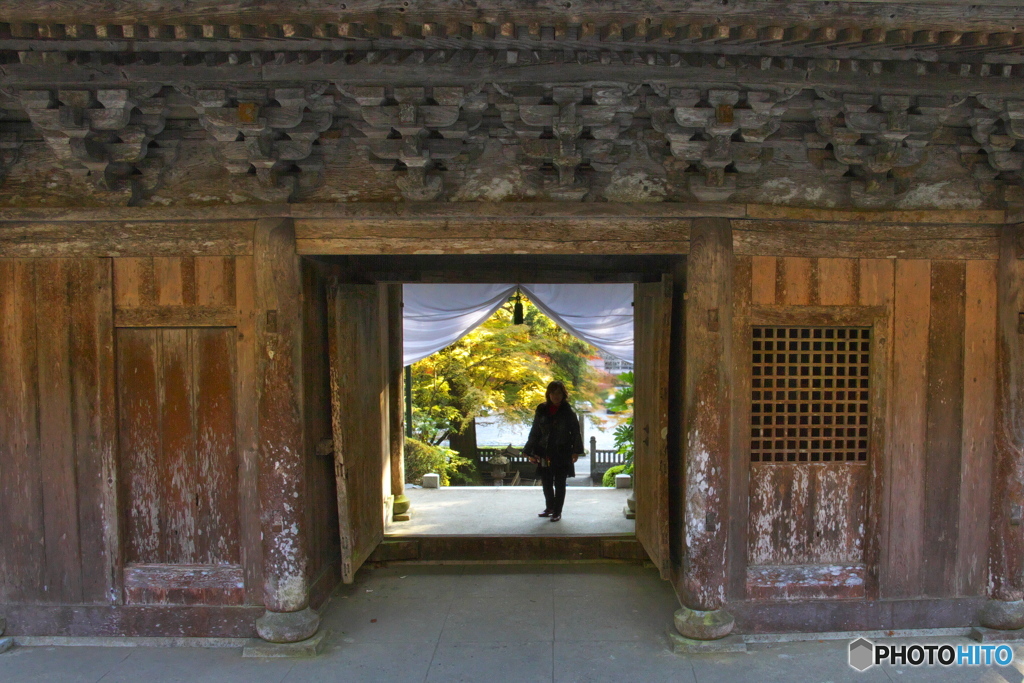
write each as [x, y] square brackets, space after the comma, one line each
[517, 310]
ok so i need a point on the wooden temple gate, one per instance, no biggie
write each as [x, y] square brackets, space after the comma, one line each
[200, 424]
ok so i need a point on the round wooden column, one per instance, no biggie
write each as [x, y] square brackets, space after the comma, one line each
[706, 412]
[1005, 608]
[282, 472]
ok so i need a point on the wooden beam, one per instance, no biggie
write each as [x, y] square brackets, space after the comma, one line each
[176, 316]
[112, 237]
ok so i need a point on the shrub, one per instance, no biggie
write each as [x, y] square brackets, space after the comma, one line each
[609, 476]
[422, 458]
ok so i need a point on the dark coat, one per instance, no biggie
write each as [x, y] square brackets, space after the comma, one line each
[556, 437]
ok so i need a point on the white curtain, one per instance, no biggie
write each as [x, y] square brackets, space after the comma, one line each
[599, 314]
[434, 316]
[437, 315]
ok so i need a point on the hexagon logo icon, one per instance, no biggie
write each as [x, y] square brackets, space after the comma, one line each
[862, 654]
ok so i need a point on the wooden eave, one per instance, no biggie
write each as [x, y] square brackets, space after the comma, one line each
[931, 31]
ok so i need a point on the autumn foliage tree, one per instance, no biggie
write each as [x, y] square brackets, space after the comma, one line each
[499, 369]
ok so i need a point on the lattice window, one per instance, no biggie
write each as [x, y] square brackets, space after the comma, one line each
[809, 399]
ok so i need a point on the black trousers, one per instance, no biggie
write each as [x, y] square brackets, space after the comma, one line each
[554, 490]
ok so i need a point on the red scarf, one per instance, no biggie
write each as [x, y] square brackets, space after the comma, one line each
[552, 408]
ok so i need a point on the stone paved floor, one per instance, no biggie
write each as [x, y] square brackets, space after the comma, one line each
[490, 624]
[512, 510]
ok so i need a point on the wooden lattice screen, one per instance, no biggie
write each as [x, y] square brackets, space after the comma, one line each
[809, 394]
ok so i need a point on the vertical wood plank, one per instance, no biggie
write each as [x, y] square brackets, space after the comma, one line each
[396, 389]
[248, 476]
[22, 572]
[128, 273]
[780, 512]
[838, 281]
[167, 274]
[877, 288]
[177, 411]
[139, 445]
[93, 416]
[214, 276]
[188, 280]
[793, 284]
[743, 279]
[945, 429]
[839, 506]
[1006, 543]
[216, 457]
[978, 427]
[56, 430]
[763, 278]
[902, 574]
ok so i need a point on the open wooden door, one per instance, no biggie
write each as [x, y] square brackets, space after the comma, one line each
[652, 319]
[357, 336]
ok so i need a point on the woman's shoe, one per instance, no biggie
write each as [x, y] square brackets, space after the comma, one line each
[555, 517]
[546, 513]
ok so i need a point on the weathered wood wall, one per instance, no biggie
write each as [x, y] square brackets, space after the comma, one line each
[912, 521]
[57, 448]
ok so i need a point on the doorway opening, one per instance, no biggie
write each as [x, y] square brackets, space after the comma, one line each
[363, 318]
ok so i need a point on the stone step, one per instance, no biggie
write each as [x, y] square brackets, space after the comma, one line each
[509, 549]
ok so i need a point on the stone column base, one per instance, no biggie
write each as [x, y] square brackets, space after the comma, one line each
[689, 646]
[630, 510]
[287, 627]
[700, 625]
[401, 511]
[1002, 615]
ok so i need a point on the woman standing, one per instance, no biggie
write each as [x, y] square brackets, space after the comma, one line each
[555, 443]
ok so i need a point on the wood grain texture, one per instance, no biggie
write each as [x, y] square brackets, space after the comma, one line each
[739, 475]
[112, 238]
[795, 284]
[396, 389]
[763, 279]
[652, 322]
[178, 445]
[321, 487]
[942, 471]
[707, 400]
[901, 576]
[1006, 545]
[978, 427]
[248, 437]
[877, 289]
[57, 433]
[282, 470]
[21, 496]
[176, 316]
[838, 281]
[362, 450]
[168, 584]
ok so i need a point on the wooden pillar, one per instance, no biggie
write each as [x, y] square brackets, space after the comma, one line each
[1005, 609]
[280, 435]
[701, 580]
[396, 401]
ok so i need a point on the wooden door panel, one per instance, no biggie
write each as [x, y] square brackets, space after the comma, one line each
[179, 459]
[357, 327]
[652, 311]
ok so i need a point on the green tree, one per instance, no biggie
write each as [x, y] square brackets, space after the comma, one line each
[499, 369]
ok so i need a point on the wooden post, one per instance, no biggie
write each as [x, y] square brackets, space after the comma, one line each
[282, 475]
[593, 450]
[1005, 609]
[396, 400]
[706, 431]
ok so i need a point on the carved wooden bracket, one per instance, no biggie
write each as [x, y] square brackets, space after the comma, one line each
[269, 132]
[105, 135]
[567, 126]
[423, 131]
[998, 127]
[722, 132]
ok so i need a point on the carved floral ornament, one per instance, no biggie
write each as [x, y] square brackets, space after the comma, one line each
[574, 141]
